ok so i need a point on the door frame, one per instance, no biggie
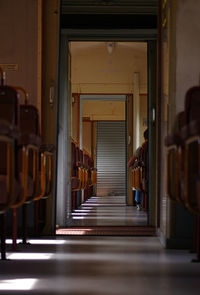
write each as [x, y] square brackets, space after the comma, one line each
[106, 97]
[63, 185]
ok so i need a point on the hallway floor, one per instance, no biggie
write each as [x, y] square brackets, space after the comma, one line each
[107, 211]
[99, 266]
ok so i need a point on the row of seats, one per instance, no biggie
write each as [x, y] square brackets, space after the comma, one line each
[183, 158]
[83, 175]
[26, 165]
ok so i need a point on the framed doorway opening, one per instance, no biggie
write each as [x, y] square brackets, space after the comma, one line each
[63, 186]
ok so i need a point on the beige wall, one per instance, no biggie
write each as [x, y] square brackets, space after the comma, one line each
[143, 116]
[18, 31]
[94, 70]
[104, 110]
[87, 136]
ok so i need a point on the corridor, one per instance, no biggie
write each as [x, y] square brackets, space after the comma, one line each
[99, 265]
[107, 211]
[100, 99]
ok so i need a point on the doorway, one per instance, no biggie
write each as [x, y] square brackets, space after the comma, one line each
[68, 90]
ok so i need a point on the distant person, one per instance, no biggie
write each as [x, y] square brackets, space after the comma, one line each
[140, 159]
[134, 161]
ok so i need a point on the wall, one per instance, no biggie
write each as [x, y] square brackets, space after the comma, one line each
[143, 116]
[187, 48]
[29, 39]
[180, 70]
[94, 70]
[19, 43]
[104, 110]
[87, 136]
[49, 103]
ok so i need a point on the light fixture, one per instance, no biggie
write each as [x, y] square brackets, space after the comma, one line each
[110, 46]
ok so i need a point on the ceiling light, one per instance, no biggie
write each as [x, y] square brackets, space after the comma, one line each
[110, 47]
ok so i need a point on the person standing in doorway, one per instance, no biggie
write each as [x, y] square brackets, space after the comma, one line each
[140, 160]
[134, 163]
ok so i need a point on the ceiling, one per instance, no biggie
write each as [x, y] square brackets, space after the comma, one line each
[81, 46]
[107, 14]
[109, 6]
[95, 69]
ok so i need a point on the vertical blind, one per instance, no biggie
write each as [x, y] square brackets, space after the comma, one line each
[111, 158]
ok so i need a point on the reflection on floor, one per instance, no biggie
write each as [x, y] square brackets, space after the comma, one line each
[99, 266]
[107, 231]
[107, 211]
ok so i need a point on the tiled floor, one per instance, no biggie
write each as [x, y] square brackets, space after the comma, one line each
[99, 266]
[107, 211]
